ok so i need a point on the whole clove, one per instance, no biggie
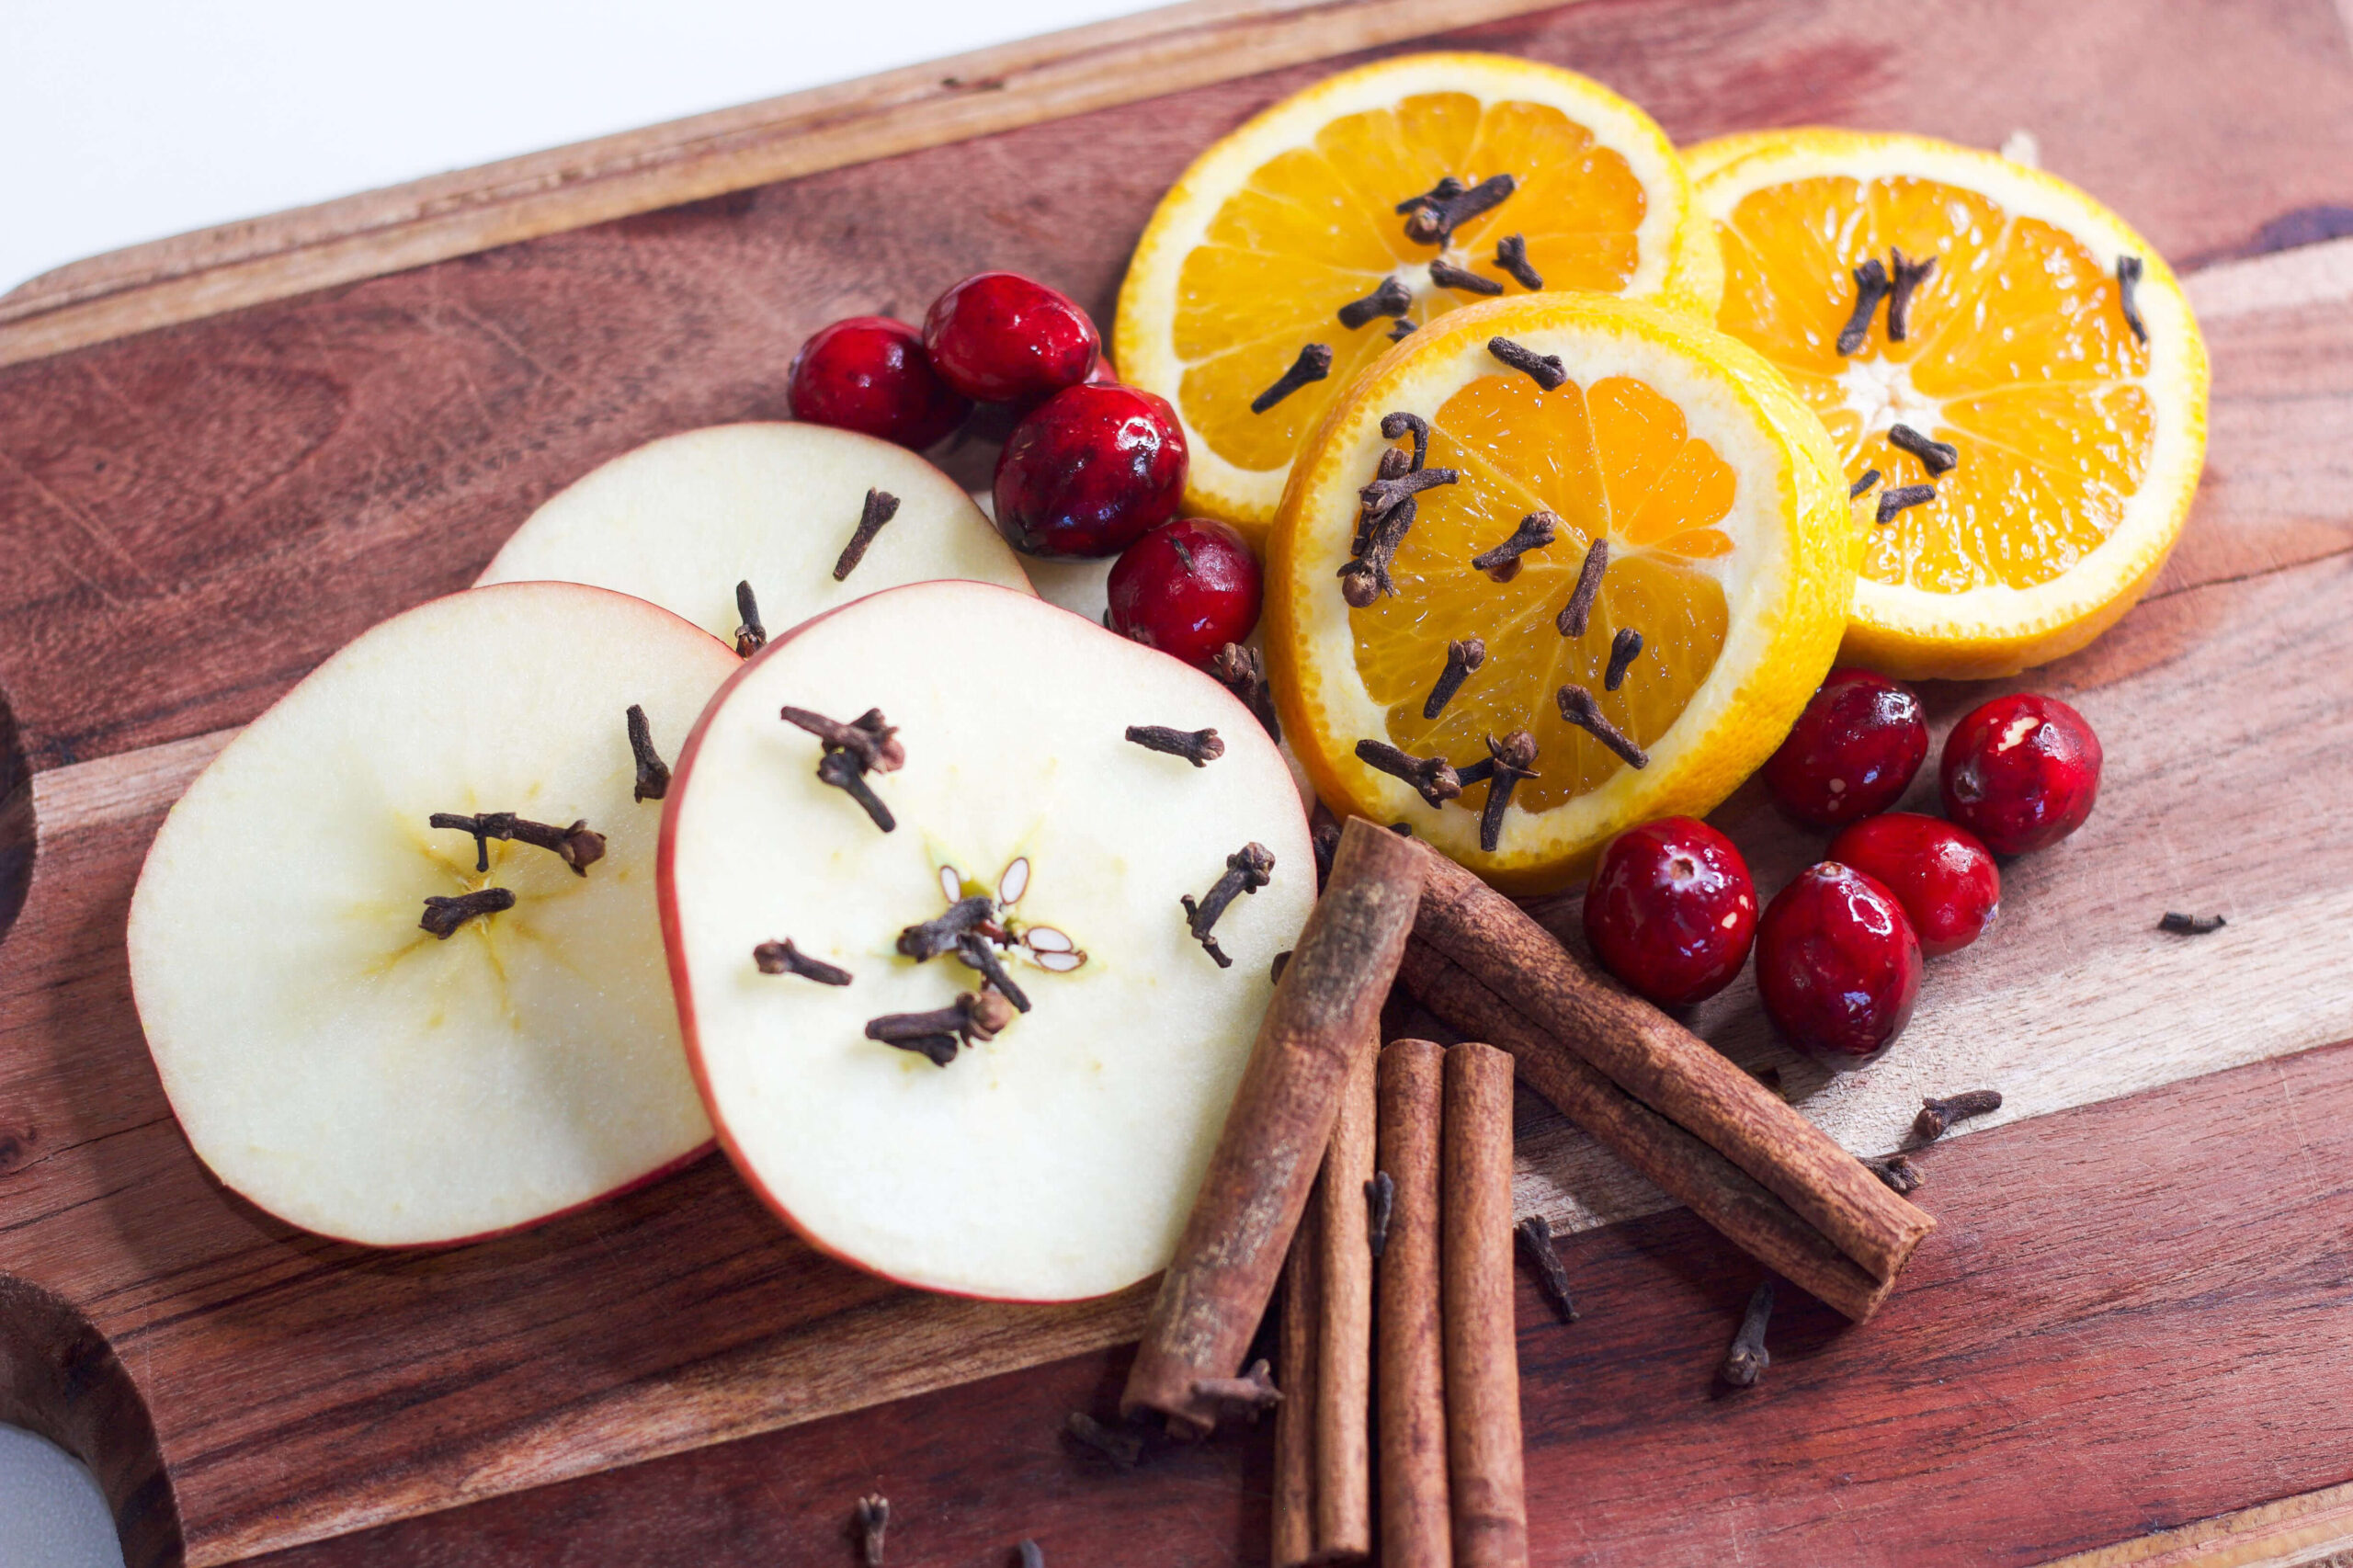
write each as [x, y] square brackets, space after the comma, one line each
[2129, 270]
[1249, 1395]
[1535, 1237]
[980, 956]
[866, 737]
[1937, 457]
[1399, 423]
[1326, 838]
[1462, 656]
[1624, 648]
[1247, 870]
[879, 508]
[1200, 748]
[2191, 925]
[941, 933]
[1936, 1115]
[1575, 615]
[444, 915]
[841, 769]
[1503, 564]
[1855, 491]
[783, 958]
[1509, 761]
[1511, 255]
[1386, 493]
[652, 773]
[750, 635]
[872, 1518]
[1578, 706]
[1895, 499]
[1545, 370]
[1748, 1359]
[579, 845]
[1446, 275]
[1908, 276]
[1365, 578]
[1392, 298]
[1872, 285]
[1314, 363]
[1241, 670]
[1432, 778]
[1899, 1172]
[1122, 1448]
[1380, 1198]
[1432, 217]
[941, 1033]
[1400, 330]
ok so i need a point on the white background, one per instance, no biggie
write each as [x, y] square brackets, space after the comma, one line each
[124, 121]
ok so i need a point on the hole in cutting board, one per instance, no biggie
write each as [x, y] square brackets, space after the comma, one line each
[60, 1379]
[15, 820]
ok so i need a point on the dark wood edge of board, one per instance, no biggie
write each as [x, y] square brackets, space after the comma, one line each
[1159, 52]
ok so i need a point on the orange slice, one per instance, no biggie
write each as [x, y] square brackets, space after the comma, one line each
[2076, 440]
[1273, 230]
[1730, 552]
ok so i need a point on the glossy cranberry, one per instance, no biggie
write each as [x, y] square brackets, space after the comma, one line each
[1001, 337]
[1186, 588]
[1671, 910]
[1838, 964]
[1851, 752]
[1089, 472]
[2021, 772]
[1944, 878]
[870, 374]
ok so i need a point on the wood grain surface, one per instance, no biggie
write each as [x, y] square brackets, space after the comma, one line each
[2138, 1320]
[192, 518]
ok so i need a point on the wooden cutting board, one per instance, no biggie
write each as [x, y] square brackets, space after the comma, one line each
[2137, 1312]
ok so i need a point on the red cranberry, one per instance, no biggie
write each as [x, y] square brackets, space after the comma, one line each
[1090, 471]
[1186, 588]
[1000, 337]
[2021, 772]
[1838, 965]
[1671, 910]
[870, 374]
[1851, 752]
[1943, 877]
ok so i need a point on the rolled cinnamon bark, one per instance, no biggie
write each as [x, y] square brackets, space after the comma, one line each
[1217, 1285]
[1296, 1374]
[1661, 1152]
[1483, 1442]
[1667, 1067]
[1417, 1530]
[1344, 1360]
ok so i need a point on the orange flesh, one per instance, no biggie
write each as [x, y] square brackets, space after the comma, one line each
[1613, 461]
[1313, 229]
[2017, 354]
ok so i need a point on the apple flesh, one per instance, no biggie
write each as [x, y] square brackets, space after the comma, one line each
[1056, 1159]
[681, 521]
[327, 1057]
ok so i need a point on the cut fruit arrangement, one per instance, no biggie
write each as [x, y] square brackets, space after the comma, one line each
[988, 942]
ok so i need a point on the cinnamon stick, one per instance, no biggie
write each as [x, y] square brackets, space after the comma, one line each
[1667, 1067]
[1259, 1175]
[1415, 1529]
[1661, 1152]
[1482, 1440]
[1343, 1359]
[1302, 1314]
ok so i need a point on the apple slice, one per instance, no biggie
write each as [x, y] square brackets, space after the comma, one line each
[331, 1058]
[680, 521]
[1056, 1159]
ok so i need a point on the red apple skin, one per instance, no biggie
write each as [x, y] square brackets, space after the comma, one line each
[1239, 720]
